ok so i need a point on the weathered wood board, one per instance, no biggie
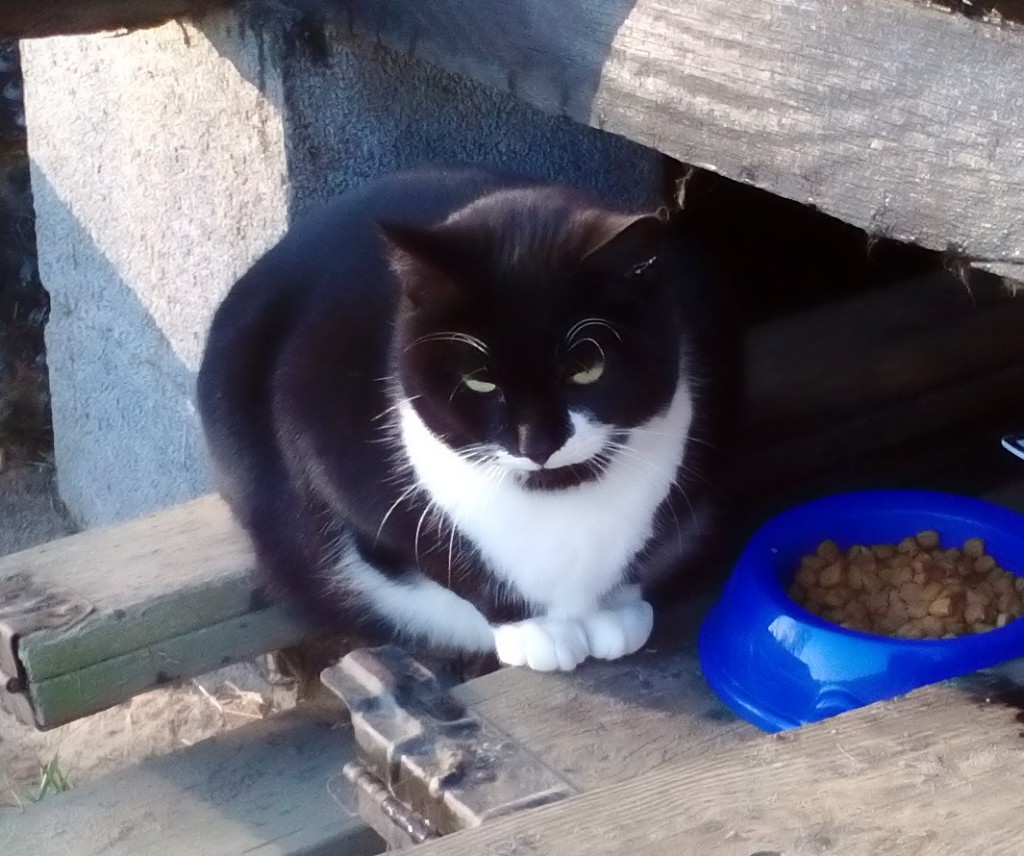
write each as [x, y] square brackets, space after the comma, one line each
[937, 772]
[866, 373]
[93, 619]
[22, 20]
[265, 788]
[898, 117]
[610, 722]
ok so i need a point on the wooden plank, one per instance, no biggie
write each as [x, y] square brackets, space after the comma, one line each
[265, 788]
[608, 723]
[847, 357]
[938, 772]
[166, 596]
[21, 20]
[757, 468]
[895, 116]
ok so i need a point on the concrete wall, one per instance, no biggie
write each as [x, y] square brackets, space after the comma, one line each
[165, 161]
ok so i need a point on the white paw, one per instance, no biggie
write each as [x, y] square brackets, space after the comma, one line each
[621, 630]
[543, 644]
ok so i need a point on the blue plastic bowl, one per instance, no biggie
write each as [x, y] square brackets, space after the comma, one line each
[779, 666]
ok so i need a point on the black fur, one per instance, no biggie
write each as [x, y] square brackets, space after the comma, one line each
[309, 349]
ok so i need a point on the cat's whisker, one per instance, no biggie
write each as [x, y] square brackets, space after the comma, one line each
[419, 526]
[395, 407]
[693, 511]
[593, 342]
[450, 336]
[451, 549]
[580, 326]
[401, 498]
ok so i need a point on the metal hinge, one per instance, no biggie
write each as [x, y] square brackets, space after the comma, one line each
[426, 765]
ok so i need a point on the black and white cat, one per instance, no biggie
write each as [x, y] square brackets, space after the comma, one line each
[472, 412]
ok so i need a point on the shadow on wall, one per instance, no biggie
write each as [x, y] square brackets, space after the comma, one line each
[355, 105]
[102, 339]
[536, 49]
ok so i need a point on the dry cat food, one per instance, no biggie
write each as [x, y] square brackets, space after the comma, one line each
[914, 590]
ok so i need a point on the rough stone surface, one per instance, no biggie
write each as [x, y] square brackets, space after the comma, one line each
[158, 174]
[165, 161]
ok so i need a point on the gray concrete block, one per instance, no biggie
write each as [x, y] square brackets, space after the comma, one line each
[165, 161]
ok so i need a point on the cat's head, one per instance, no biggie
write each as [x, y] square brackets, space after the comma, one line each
[535, 331]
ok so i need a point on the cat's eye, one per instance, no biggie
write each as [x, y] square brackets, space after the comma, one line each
[478, 385]
[588, 375]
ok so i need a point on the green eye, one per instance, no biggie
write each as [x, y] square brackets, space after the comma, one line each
[588, 375]
[478, 385]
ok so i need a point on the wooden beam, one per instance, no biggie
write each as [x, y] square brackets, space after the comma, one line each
[93, 619]
[23, 20]
[268, 788]
[936, 772]
[895, 116]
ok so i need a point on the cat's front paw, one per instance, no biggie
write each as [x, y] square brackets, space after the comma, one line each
[613, 633]
[543, 644]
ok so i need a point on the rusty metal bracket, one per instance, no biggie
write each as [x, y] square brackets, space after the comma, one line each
[25, 608]
[448, 768]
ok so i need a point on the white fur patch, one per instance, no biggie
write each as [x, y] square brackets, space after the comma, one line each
[563, 550]
[587, 439]
[549, 644]
[419, 608]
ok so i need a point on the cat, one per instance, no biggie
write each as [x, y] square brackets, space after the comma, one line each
[471, 411]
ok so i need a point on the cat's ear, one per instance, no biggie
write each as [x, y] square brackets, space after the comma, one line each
[627, 246]
[421, 258]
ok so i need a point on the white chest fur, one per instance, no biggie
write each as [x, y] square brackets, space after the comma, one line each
[561, 550]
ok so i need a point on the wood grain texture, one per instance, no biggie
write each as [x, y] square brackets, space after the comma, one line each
[897, 117]
[848, 357]
[261, 789]
[171, 596]
[22, 20]
[609, 722]
[935, 773]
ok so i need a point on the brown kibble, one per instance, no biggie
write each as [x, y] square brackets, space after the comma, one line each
[858, 613]
[813, 563]
[829, 551]
[901, 575]
[910, 590]
[831, 575]
[974, 547]
[806, 577]
[833, 597]
[909, 546]
[919, 609]
[898, 614]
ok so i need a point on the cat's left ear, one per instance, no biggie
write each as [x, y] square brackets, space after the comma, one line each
[628, 247]
[420, 258]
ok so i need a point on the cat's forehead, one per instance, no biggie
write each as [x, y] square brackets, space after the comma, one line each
[539, 229]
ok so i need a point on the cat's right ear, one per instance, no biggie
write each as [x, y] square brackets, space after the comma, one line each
[419, 257]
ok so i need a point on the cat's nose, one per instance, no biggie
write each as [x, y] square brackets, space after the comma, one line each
[537, 445]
